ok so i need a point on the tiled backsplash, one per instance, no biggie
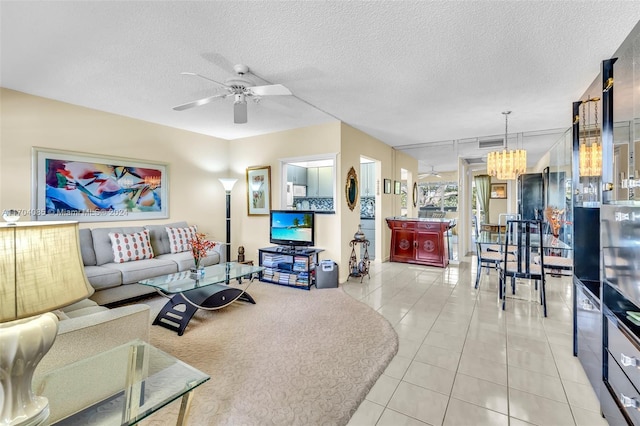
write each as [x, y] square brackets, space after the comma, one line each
[314, 203]
[368, 207]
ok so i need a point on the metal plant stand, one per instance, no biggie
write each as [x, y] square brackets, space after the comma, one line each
[359, 268]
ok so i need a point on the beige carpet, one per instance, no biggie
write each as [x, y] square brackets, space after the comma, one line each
[297, 357]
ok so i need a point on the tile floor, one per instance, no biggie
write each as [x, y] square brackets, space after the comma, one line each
[464, 361]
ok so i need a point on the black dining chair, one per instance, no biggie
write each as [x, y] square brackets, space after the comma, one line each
[528, 258]
[488, 257]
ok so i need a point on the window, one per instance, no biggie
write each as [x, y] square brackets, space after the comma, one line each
[441, 196]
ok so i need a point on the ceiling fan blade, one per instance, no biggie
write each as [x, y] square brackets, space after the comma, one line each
[198, 102]
[270, 90]
[202, 76]
[240, 112]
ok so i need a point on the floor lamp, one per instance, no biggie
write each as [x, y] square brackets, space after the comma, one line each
[228, 185]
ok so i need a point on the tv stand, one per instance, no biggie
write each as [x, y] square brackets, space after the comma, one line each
[292, 268]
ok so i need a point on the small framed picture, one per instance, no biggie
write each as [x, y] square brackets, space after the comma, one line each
[387, 186]
[498, 190]
[396, 186]
[258, 190]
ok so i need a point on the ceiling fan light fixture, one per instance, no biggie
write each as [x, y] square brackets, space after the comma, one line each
[240, 88]
[240, 109]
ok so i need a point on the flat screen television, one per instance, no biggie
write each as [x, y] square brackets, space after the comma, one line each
[292, 227]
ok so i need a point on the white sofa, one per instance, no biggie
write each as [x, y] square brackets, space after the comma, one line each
[116, 282]
[85, 329]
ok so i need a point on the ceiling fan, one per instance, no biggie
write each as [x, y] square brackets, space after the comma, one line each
[431, 173]
[241, 89]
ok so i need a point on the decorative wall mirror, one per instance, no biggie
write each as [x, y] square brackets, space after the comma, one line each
[351, 189]
[415, 194]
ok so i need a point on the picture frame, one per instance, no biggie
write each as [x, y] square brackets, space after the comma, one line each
[498, 190]
[258, 190]
[84, 187]
[396, 187]
[387, 186]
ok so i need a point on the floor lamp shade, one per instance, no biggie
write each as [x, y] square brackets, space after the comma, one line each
[41, 270]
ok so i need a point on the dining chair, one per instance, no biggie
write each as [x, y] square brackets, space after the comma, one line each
[527, 261]
[487, 258]
[503, 218]
[558, 263]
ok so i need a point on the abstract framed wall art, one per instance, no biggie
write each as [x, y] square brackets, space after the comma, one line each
[258, 190]
[94, 188]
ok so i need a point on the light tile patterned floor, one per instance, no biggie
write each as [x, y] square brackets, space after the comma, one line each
[464, 361]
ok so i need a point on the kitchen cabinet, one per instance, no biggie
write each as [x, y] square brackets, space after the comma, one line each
[368, 226]
[320, 182]
[367, 179]
[297, 175]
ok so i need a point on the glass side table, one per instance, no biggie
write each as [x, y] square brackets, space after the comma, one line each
[120, 386]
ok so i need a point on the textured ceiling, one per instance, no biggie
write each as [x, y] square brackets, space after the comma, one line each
[404, 72]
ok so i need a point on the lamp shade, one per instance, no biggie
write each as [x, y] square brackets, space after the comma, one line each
[41, 268]
[228, 183]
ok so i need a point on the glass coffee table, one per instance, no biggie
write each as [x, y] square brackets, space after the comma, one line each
[220, 286]
[120, 386]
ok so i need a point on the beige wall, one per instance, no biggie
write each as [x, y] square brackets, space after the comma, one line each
[194, 161]
[269, 150]
[355, 144]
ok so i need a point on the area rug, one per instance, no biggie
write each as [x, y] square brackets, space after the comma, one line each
[296, 357]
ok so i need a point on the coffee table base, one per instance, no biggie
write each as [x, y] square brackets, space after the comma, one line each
[178, 311]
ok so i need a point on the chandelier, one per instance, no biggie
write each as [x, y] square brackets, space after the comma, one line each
[506, 164]
[590, 147]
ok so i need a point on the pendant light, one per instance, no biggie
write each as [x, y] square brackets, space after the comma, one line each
[506, 164]
[590, 148]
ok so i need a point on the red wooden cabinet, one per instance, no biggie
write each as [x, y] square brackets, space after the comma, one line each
[421, 241]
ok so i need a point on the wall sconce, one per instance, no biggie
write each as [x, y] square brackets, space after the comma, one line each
[591, 146]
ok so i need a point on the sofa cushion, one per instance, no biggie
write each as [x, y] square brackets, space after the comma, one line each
[132, 272]
[185, 261]
[180, 238]
[86, 248]
[86, 311]
[159, 238]
[100, 277]
[130, 247]
[83, 307]
[102, 242]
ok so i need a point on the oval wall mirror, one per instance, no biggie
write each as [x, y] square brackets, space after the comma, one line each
[351, 189]
[415, 194]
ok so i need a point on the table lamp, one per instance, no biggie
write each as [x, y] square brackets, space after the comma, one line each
[41, 270]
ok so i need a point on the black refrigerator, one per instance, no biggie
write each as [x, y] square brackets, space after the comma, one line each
[531, 196]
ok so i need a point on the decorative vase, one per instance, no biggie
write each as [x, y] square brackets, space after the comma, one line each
[359, 235]
[197, 271]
